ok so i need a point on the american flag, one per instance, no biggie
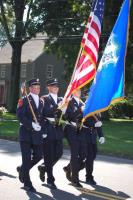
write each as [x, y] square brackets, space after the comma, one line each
[91, 43]
[85, 67]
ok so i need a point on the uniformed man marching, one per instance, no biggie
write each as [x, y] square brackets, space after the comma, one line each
[30, 133]
[75, 139]
[52, 144]
[91, 128]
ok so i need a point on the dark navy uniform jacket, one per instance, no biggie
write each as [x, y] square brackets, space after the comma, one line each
[92, 131]
[26, 132]
[50, 111]
[74, 114]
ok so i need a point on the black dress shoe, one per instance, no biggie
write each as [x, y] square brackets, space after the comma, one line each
[41, 170]
[52, 186]
[29, 188]
[77, 184]
[20, 174]
[90, 181]
[68, 173]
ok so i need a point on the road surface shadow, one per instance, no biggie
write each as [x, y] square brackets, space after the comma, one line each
[99, 193]
[64, 195]
[98, 189]
[6, 174]
[9, 147]
[38, 196]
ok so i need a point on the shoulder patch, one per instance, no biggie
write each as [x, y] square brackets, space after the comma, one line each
[20, 103]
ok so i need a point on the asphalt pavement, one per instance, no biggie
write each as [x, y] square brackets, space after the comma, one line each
[113, 175]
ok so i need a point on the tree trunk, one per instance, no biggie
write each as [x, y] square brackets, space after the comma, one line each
[15, 76]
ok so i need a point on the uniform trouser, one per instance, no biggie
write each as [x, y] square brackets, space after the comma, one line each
[78, 150]
[31, 155]
[91, 155]
[52, 151]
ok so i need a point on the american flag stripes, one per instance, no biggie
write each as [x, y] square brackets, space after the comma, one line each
[91, 44]
[85, 67]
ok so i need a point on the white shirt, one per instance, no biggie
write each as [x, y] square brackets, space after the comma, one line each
[36, 99]
[77, 100]
[54, 96]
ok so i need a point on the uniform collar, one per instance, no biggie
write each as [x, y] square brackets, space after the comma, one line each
[54, 96]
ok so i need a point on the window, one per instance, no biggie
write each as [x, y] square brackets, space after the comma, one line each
[49, 71]
[23, 71]
[3, 71]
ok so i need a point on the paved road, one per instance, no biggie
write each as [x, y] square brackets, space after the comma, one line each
[113, 175]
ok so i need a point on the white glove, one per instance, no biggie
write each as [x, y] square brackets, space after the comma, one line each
[36, 126]
[82, 108]
[60, 103]
[63, 109]
[102, 140]
[98, 124]
[44, 136]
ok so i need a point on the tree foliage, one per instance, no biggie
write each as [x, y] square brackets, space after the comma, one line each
[62, 20]
[66, 45]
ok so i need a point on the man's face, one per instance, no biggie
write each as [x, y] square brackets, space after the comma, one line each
[35, 89]
[53, 89]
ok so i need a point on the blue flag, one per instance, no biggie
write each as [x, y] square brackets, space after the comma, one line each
[108, 85]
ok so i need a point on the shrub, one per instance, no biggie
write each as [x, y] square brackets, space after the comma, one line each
[122, 109]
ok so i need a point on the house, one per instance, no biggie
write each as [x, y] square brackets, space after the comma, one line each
[35, 63]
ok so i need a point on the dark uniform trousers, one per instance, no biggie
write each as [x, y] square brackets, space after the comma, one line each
[75, 139]
[78, 151]
[91, 134]
[53, 143]
[30, 140]
[31, 155]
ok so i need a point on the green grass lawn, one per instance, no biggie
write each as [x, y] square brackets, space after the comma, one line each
[118, 134]
[119, 138]
[9, 126]
[9, 129]
[9, 116]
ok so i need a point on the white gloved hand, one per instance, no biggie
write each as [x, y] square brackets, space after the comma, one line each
[44, 136]
[82, 108]
[36, 126]
[60, 103]
[102, 140]
[98, 124]
[63, 109]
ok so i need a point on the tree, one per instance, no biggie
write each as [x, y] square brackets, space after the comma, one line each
[67, 29]
[62, 20]
[67, 45]
[56, 16]
[14, 9]
[2, 36]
